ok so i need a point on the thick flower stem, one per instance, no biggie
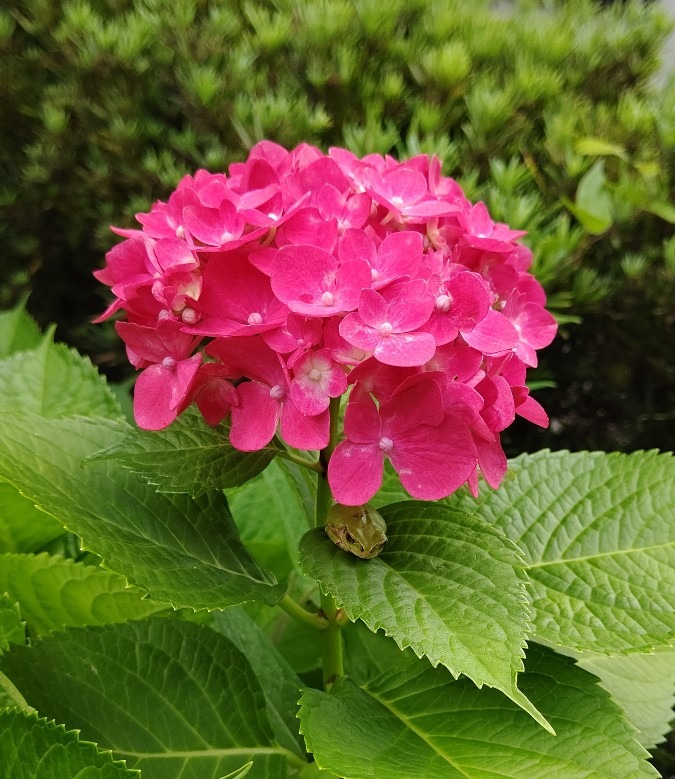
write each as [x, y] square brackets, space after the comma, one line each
[331, 640]
[300, 614]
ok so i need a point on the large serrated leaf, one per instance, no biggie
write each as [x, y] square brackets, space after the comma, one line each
[447, 584]
[54, 381]
[598, 534]
[421, 723]
[35, 748]
[12, 627]
[54, 592]
[172, 698]
[188, 456]
[279, 682]
[273, 511]
[24, 528]
[182, 551]
[18, 331]
[644, 687]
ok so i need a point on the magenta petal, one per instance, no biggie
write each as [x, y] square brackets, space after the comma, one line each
[254, 420]
[303, 270]
[357, 245]
[372, 308]
[410, 305]
[418, 401]
[362, 421]
[432, 462]
[152, 398]
[493, 334]
[470, 300]
[492, 461]
[352, 278]
[355, 472]
[304, 432]
[399, 255]
[531, 410]
[357, 333]
[406, 349]
[159, 391]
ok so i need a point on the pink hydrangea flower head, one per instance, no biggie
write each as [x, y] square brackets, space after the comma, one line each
[262, 294]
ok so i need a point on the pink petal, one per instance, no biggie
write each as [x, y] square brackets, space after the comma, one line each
[406, 349]
[492, 461]
[373, 308]
[355, 472]
[362, 421]
[254, 420]
[160, 390]
[357, 333]
[433, 462]
[418, 401]
[410, 305]
[399, 255]
[531, 410]
[357, 245]
[304, 432]
[493, 334]
[352, 278]
[470, 300]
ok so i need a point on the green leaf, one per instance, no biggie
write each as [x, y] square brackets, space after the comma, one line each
[644, 687]
[447, 584]
[593, 207]
[182, 551]
[597, 147]
[23, 527]
[18, 331]
[422, 723]
[273, 511]
[279, 682]
[35, 748]
[10, 697]
[188, 456]
[664, 210]
[240, 773]
[12, 627]
[56, 382]
[54, 592]
[598, 534]
[172, 698]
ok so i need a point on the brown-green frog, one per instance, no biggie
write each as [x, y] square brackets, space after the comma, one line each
[360, 530]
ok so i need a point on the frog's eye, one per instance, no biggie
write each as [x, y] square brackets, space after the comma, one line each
[349, 538]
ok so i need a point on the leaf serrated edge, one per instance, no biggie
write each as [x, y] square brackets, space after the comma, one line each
[74, 735]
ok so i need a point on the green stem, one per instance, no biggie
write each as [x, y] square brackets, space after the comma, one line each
[300, 614]
[294, 458]
[331, 640]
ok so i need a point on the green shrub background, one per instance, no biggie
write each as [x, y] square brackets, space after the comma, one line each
[549, 112]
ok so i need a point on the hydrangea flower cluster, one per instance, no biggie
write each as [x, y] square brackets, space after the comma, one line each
[299, 277]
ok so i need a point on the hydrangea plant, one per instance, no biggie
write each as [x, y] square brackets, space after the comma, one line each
[310, 557]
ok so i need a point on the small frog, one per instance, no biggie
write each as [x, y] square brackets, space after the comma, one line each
[357, 529]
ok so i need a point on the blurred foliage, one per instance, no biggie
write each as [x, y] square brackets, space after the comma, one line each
[548, 111]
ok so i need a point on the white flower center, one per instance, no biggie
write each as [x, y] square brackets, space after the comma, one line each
[255, 318]
[327, 299]
[314, 374]
[443, 303]
[169, 363]
[386, 444]
[374, 274]
[386, 329]
[180, 232]
[277, 392]
[189, 316]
